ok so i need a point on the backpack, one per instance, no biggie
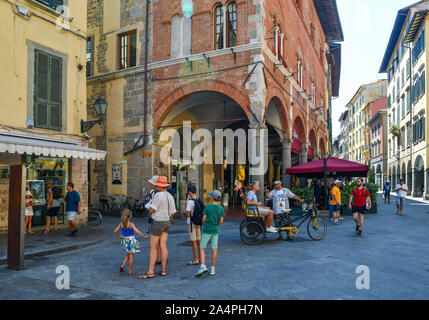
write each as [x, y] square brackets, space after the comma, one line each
[197, 215]
[56, 193]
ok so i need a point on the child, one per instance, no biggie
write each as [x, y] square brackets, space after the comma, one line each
[212, 217]
[129, 240]
[29, 204]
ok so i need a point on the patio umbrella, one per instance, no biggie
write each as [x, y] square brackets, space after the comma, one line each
[334, 168]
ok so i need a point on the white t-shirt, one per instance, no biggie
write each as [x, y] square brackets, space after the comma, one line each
[281, 199]
[401, 193]
[190, 206]
[164, 206]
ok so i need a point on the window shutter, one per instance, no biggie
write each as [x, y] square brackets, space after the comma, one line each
[133, 49]
[423, 127]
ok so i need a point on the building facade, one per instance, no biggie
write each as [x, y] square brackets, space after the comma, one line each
[259, 65]
[43, 101]
[363, 96]
[343, 137]
[118, 49]
[405, 63]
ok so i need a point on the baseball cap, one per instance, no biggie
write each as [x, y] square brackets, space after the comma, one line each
[153, 180]
[191, 189]
[338, 181]
[277, 182]
[217, 196]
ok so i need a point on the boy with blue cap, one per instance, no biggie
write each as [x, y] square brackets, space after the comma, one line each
[212, 217]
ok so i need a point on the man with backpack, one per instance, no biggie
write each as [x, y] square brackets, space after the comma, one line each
[387, 187]
[194, 212]
[359, 203]
[53, 206]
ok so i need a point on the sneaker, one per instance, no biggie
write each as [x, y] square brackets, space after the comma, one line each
[272, 230]
[45, 231]
[212, 271]
[203, 270]
[357, 227]
[360, 232]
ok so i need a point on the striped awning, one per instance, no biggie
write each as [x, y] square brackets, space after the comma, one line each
[39, 146]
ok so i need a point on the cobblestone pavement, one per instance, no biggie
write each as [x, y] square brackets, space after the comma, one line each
[394, 248]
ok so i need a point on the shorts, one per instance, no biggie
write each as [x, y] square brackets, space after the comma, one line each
[159, 227]
[206, 238]
[29, 213]
[195, 234]
[53, 212]
[71, 215]
[360, 210]
[262, 211]
[400, 201]
[335, 207]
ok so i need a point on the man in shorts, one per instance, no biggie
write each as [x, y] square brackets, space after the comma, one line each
[73, 207]
[253, 204]
[336, 200]
[280, 198]
[401, 191]
[194, 230]
[359, 203]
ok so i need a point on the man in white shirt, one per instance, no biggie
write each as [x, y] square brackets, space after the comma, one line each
[280, 197]
[401, 190]
[194, 230]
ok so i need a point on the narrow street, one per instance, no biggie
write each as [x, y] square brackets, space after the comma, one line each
[393, 247]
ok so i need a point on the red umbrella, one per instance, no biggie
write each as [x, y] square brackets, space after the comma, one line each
[334, 168]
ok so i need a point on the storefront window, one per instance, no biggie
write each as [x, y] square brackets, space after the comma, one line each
[41, 171]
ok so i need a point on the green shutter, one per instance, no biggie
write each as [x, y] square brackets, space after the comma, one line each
[47, 91]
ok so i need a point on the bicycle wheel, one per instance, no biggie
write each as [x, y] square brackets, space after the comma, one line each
[316, 229]
[94, 218]
[115, 210]
[252, 233]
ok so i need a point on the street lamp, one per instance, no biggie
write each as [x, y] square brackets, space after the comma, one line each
[100, 106]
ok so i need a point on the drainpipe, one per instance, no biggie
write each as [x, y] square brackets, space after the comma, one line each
[146, 61]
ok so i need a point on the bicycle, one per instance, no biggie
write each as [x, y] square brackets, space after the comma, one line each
[252, 229]
[94, 217]
[112, 206]
[136, 206]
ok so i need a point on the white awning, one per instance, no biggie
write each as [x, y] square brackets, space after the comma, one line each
[16, 143]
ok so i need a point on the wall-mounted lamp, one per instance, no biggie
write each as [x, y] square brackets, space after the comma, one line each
[100, 106]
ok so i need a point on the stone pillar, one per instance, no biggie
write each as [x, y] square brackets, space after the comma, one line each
[260, 142]
[303, 158]
[79, 177]
[426, 192]
[286, 161]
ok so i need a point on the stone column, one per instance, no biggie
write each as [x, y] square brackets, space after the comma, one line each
[260, 142]
[303, 158]
[286, 161]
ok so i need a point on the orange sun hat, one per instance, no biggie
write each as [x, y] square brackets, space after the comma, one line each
[162, 182]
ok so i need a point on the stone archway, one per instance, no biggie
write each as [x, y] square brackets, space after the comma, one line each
[313, 152]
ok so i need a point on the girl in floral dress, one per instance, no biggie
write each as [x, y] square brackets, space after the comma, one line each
[129, 240]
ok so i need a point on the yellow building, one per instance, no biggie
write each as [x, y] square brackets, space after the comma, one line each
[43, 99]
[363, 96]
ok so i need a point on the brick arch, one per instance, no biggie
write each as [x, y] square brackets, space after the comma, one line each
[300, 118]
[163, 108]
[275, 95]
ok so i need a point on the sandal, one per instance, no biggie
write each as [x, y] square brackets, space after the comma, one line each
[133, 272]
[162, 273]
[147, 276]
[193, 263]
[121, 269]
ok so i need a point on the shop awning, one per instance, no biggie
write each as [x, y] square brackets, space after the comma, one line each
[334, 168]
[16, 143]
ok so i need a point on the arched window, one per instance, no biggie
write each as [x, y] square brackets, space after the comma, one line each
[181, 36]
[219, 27]
[225, 23]
[232, 24]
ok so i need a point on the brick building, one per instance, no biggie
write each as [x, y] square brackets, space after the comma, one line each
[251, 64]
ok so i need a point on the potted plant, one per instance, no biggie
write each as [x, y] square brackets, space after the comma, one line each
[302, 193]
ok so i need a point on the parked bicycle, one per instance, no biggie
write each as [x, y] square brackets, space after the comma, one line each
[136, 206]
[94, 217]
[112, 206]
[252, 229]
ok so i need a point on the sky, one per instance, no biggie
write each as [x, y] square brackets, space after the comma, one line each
[367, 25]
